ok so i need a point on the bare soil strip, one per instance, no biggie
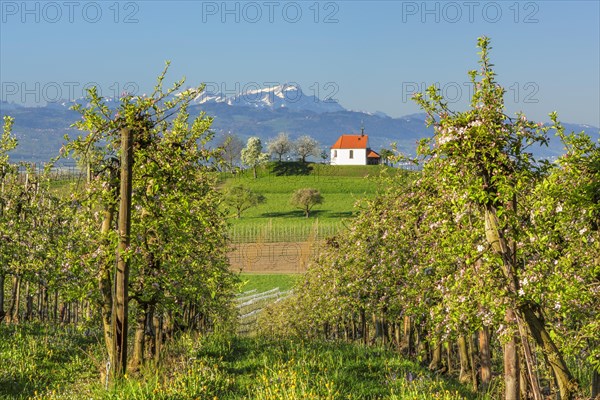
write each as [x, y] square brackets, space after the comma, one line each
[276, 257]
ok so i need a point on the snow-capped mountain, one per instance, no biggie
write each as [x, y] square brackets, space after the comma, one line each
[287, 96]
[262, 112]
[206, 97]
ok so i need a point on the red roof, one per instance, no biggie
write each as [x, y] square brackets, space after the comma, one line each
[351, 142]
[372, 154]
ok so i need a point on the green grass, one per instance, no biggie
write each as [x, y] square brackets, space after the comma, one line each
[38, 359]
[264, 282]
[341, 186]
[43, 363]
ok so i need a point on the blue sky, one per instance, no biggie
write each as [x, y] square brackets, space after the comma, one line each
[368, 55]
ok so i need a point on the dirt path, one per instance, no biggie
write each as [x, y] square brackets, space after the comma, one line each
[277, 257]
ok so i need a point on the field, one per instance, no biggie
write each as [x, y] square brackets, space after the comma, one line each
[276, 220]
[274, 237]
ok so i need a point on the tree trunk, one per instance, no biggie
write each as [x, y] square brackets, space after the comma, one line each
[485, 358]
[39, 297]
[55, 311]
[523, 380]
[121, 300]
[463, 356]
[472, 355]
[511, 363]
[44, 303]
[28, 302]
[63, 313]
[363, 327]
[137, 357]
[157, 321]
[75, 312]
[376, 326]
[13, 311]
[567, 385]
[149, 333]
[436, 358]
[531, 376]
[254, 169]
[2, 314]
[407, 346]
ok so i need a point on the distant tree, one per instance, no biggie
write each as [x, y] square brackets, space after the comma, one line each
[306, 198]
[241, 198]
[324, 155]
[232, 147]
[306, 146]
[280, 146]
[386, 155]
[252, 154]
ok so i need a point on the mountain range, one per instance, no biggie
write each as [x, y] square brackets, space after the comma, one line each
[262, 112]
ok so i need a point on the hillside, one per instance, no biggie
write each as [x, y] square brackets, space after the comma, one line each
[277, 220]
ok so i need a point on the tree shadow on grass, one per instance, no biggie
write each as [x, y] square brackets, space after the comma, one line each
[291, 168]
[293, 214]
[341, 214]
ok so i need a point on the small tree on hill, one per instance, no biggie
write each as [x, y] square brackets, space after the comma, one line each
[324, 156]
[252, 154]
[241, 198]
[306, 198]
[280, 146]
[306, 146]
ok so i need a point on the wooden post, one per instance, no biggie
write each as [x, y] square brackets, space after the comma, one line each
[529, 362]
[122, 273]
[511, 362]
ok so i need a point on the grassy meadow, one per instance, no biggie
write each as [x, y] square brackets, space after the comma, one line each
[59, 363]
[277, 220]
[263, 282]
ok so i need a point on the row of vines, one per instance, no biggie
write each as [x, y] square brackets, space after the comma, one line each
[58, 246]
[485, 263]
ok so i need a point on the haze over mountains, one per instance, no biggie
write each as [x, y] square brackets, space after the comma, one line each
[262, 112]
